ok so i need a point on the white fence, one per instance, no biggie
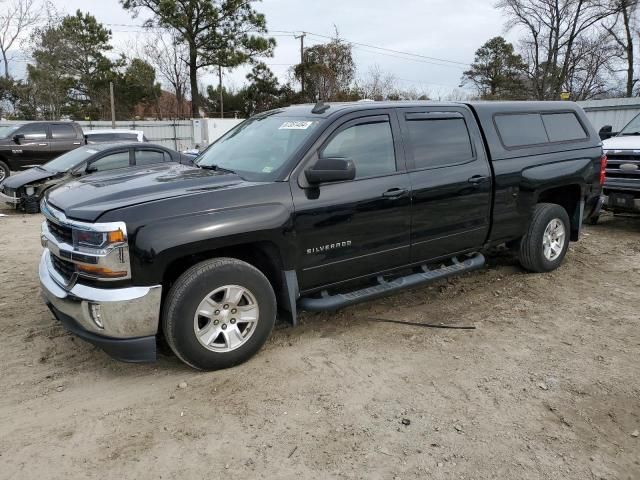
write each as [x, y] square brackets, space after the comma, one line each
[616, 112]
[178, 134]
[173, 134]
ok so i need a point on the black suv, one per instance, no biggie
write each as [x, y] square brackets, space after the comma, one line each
[25, 145]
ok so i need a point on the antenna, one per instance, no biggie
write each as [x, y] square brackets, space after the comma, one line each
[320, 107]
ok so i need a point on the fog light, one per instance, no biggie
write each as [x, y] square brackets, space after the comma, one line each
[96, 314]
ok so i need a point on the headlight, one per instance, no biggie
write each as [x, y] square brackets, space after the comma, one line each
[30, 191]
[99, 240]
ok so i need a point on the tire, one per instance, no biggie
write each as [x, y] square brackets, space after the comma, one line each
[5, 172]
[213, 288]
[533, 254]
[32, 204]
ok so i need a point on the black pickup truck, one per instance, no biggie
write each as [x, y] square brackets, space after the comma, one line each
[314, 208]
[26, 145]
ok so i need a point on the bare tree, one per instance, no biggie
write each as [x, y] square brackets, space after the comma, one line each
[553, 27]
[591, 67]
[377, 84]
[169, 55]
[622, 34]
[17, 17]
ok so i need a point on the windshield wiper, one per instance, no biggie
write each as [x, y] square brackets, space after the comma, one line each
[217, 168]
[629, 133]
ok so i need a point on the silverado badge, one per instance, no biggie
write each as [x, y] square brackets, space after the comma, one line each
[330, 246]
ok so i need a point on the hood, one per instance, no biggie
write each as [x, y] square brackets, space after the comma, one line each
[32, 175]
[630, 142]
[89, 197]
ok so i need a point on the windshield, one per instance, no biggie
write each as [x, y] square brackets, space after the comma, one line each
[71, 159]
[259, 147]
[7, 130]
[632, 128]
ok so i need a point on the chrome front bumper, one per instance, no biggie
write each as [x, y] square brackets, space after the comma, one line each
[117, 313]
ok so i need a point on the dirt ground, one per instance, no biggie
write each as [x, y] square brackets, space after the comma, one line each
[546, 387]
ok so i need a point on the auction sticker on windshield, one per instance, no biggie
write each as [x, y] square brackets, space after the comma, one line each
[295, 125]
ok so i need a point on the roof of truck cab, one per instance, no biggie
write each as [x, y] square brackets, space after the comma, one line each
[484, 112]
[488, 107]
[305, 109]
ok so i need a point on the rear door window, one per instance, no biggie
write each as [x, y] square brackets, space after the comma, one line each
[438, 142]
[62, 132]
[563, 127]
[519, 130]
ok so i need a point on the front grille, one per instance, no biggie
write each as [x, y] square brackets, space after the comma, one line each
[64, 268]
[616, 160]
[61, 232]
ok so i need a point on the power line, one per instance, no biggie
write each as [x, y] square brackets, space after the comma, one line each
[290, 33]
[411, 54]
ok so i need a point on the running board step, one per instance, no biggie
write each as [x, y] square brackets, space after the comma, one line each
[334, 302]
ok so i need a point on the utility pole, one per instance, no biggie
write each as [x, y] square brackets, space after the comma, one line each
[301, 37]
[113, 106]
[221, 96]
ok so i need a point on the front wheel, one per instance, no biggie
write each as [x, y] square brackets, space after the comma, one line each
[219, 313]
[545, 244]
[4, 171]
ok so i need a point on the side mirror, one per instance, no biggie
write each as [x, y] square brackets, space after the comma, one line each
[606, 132]
[18, 137]
[90, 169]
[331, 170]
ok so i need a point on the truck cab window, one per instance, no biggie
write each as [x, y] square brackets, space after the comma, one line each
[62, 131]
[439, 142]
[369, 145]
[33, 132]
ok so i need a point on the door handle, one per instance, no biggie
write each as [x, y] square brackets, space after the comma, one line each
[393, 193]
[43, 144]
[478, 179]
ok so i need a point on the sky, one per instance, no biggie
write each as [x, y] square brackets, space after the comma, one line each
[444, 29]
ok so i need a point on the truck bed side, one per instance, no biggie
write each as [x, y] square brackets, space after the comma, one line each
[533, 170]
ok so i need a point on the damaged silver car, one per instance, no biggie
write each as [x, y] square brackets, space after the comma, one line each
[24, 190]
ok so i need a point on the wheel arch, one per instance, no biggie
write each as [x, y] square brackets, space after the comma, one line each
[568, 197]
[265, 255]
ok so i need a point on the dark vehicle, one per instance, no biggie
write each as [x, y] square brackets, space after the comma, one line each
[25, 145]
[621, 192]
[25, 190]
[314, 208]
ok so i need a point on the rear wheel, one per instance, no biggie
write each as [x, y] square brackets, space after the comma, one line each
[545, 244]
[219, 314]
[4, 171]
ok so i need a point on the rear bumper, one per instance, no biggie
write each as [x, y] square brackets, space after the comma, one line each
[123, 322]
[610, 203]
